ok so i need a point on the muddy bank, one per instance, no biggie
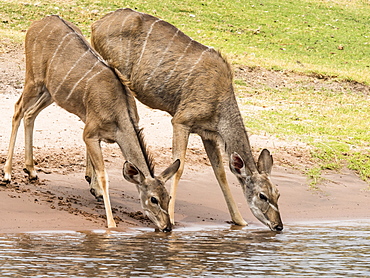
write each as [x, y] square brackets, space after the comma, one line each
[61, 200]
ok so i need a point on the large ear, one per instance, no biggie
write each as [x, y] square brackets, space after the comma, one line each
[265, 162]
[132, 173]
[170, 171]
[237, 165]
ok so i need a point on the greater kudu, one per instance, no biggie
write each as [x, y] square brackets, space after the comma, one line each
[170, 71]
[61, 67]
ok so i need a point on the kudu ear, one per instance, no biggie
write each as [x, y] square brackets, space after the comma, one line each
[237, 166]
[170, 171]
[132, 173]
[265, 161]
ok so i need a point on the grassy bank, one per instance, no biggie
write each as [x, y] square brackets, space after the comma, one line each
[334, 123]
[329, 38]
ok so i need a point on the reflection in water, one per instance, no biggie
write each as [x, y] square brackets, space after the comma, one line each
[329, 249]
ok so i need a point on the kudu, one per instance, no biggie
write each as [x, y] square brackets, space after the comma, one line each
[61, 67]
[170, 71]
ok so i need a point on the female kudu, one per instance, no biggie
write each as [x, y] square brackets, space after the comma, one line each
[61, 67]
[170, 71]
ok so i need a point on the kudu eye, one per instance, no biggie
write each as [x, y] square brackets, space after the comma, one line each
[154, 200]
[263, 197]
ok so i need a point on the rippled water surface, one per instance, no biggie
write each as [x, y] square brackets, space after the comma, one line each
[326, 250]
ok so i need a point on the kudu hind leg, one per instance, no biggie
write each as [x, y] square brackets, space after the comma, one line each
[214, 154]
[30, 115]
[17, 117]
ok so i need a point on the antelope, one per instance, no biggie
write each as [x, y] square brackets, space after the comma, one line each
[61, 67]
[168, 70]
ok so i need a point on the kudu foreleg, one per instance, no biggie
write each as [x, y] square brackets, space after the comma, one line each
[179, 144]
[94, 150]
[90, 177]
[89, 171]
[214, 154]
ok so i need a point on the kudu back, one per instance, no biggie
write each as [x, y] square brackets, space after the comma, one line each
[170, 71]
[61, 67]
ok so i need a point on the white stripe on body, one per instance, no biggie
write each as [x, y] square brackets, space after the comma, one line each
[161, 60]
[56, 50]
[42, 51]
[34, 44]
[168, 77]
[128, 47]
[82, 78]
[107, 34]
[70, 70]
[146, 40]
[192, 69]
[93, 76]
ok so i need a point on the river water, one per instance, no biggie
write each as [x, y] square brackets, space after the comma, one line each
[335, 249]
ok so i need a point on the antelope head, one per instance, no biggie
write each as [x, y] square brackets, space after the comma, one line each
[154, 197]
[261, 194]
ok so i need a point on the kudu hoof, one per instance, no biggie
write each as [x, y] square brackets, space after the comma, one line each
[4, 182]
[88, 179]
[31, 178]
[98, 198]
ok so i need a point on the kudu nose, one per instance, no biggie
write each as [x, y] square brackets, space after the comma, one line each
[167, 229]
[278, 228]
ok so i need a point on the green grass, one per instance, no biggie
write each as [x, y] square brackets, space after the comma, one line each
[327, 37]
[335, 124]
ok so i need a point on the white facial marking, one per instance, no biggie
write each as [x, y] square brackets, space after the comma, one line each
[258, 213]
[273, 207]
[165, 212]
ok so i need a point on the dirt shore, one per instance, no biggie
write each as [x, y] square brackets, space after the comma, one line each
[60, 199]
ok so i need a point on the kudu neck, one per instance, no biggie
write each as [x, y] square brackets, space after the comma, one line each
[133, 145]
[234, 134]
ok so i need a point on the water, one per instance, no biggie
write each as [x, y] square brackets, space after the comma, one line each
[326, 250]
